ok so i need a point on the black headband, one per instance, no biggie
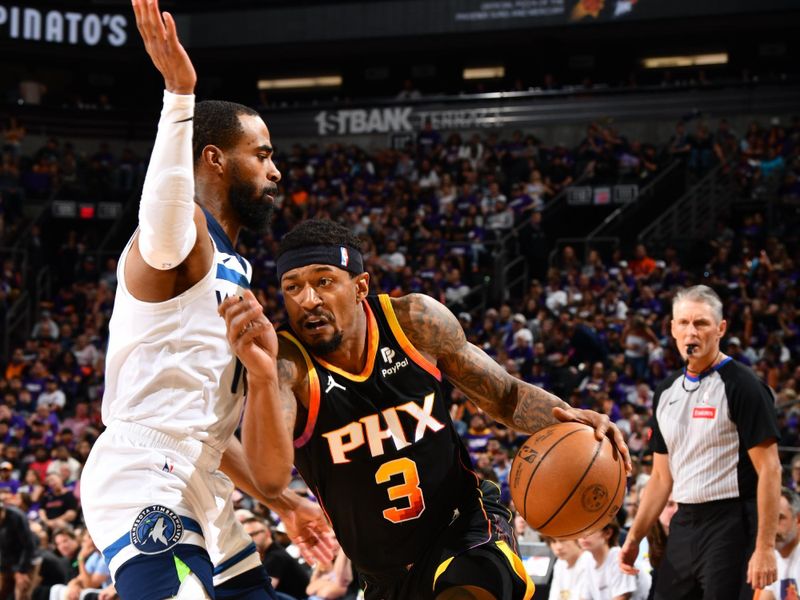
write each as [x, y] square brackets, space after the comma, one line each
[343, 257]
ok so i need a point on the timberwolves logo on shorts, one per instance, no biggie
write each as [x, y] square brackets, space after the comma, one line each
[156, 529]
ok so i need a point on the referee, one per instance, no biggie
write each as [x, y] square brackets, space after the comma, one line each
[715, 448]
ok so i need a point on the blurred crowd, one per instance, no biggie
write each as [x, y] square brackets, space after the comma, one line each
[592, 328]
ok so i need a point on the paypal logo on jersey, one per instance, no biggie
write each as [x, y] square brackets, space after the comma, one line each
[156, 529]
[388, 356]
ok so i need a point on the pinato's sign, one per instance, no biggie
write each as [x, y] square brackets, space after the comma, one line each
[62, 26]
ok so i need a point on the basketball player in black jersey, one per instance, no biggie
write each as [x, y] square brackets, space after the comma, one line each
[360, 381]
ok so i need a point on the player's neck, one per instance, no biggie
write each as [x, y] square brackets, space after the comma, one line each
[224, 216]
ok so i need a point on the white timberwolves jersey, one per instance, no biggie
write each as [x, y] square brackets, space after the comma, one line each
[169, 365]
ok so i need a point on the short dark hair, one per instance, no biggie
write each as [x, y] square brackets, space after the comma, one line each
[216, 123]
[256, 519]
[65, 530]
[319, 232]
[614, 528]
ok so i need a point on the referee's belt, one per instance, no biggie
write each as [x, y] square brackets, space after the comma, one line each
[712, 505]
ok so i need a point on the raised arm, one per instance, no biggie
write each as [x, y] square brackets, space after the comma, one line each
[169, 219]
[436, 332]
[266, 429]
[261, 465]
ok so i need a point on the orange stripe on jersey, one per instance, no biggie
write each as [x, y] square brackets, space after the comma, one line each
[372, 350]
[313, 392]
[404, 342]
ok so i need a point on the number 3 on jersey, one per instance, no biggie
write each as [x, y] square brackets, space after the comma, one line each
[409, 489]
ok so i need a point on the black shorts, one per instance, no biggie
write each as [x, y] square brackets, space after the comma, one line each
[708, 548]
[478, 549]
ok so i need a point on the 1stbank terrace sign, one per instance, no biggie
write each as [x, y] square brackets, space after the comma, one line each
[62, 26]
[400, 119]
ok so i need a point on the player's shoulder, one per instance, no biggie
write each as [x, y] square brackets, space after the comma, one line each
[415, 310]
[294, 362]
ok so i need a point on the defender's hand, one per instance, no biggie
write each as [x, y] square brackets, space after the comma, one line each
[161, 42]
[309, 530]
[601, 424]
[251, 336]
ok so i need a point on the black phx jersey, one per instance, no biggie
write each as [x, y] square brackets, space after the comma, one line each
[386, 433]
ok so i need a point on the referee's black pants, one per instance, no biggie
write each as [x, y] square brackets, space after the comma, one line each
[708, 548]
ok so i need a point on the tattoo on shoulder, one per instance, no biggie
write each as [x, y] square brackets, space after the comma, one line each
[287, 370]
[429, 325]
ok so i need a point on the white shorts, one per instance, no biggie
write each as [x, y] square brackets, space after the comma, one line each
[145, 492]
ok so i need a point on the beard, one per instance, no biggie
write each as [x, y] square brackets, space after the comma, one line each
[782, 541]
[327, 346]
[251, 204]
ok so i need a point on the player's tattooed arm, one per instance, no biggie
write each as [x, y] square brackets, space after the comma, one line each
[287, 376]
[293, 381]
[436, 332]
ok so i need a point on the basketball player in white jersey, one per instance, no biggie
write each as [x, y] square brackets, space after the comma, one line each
[155, 497]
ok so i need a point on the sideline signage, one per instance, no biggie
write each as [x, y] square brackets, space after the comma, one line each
[402, 119]
[54, 26]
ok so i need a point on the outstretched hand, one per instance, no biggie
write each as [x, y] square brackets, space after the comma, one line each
[161, 42]
[309, 530]
[251, 335]
[601, 424]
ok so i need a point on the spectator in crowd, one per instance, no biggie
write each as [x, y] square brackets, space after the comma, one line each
[52, 397]
[52, 570]
[8, 480]
[331, 581]
[287, 575]
[787, 541]
[59, 505]
[638, 339]
[45, 327]
[93, 573]
[794, 474]
[67, 544]
[657, 539]
[680, 146]
[571, 570]
[32, 487]
[605, 580]
[19, 565]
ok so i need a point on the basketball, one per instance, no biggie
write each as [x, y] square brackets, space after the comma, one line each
[565, 482]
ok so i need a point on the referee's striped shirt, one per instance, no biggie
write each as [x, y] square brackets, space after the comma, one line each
[707, 431]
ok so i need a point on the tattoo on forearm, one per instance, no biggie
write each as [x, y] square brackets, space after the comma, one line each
[287, 372]
[434, 330]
